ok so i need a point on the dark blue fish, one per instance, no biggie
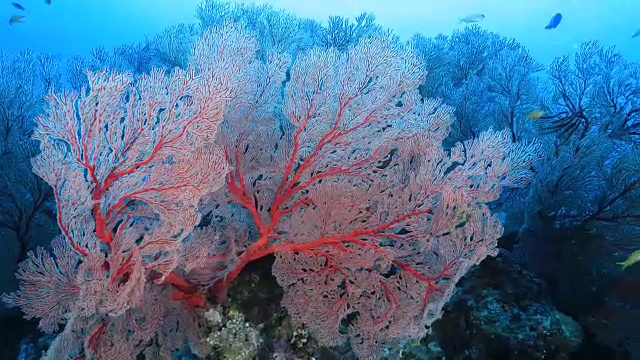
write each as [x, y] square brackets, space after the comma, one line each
[555, 21]
[17, 6]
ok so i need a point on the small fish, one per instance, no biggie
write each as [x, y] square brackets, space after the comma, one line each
[472, 18]
[636, 34]
[632, 259]
[17, 6]
[16, 19]
[535, 114]
[554, 22]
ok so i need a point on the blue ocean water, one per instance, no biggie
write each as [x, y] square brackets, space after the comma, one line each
[72, 27]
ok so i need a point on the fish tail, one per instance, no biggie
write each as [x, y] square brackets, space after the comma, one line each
[548, 27]
[623, 264]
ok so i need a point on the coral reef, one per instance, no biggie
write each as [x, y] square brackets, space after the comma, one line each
[232, 337]
[502, 311]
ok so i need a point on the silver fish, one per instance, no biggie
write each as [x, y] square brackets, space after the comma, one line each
[472, 18]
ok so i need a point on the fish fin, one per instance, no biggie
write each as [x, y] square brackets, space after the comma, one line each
[623, 264]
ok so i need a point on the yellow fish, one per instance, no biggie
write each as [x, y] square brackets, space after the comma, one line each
[535, 114]
[16, 19]
[632, 259]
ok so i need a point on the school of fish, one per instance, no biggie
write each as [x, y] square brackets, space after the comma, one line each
[14, 19]
[469, 19]
[553, 22]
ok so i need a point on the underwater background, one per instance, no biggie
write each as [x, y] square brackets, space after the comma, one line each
[320, 180]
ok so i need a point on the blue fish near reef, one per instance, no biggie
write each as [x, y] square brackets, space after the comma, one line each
[554, 22]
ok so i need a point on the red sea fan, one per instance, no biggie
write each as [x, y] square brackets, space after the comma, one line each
[371, 221]
[128, 160]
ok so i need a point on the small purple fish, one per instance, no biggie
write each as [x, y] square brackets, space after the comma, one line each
[17, 6]
[554, 22]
